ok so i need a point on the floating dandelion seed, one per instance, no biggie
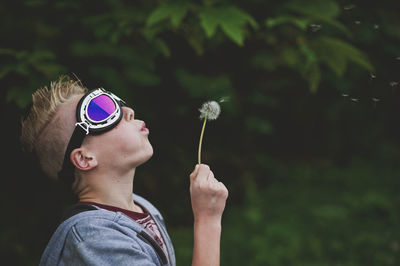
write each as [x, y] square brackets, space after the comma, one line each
[348, 7]
[372, 75]
[355, 100]
[376, 26]
[375, 100]
[224, 99]
[393, 83]
[315, 27]
[208, 111]
[345, 95]
[357, 22]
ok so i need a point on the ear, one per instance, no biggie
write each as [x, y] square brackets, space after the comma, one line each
[83, 160]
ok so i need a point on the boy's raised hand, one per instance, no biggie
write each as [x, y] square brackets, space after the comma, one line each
[208, 195]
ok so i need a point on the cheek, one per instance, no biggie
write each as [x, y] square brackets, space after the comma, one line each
[127, 142]
[130, 144]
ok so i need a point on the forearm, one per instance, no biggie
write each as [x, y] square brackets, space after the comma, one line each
[206, 249]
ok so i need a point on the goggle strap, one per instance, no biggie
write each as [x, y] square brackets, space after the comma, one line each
[66, 174]
[84, 126]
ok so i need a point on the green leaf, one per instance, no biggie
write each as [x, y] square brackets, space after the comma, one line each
[45, 62]
[209, 21]
[16, 66]
[231, 19]
[317, 11]
[162, 46]
[335, 53]
[321, 8]
[301, 23]
[234, 32]
[20, 96]
[174, 12]
[336, 24]
[196, 42]
[308, 52]
[312, 73]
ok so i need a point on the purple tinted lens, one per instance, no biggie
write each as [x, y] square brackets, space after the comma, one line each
[101, 108]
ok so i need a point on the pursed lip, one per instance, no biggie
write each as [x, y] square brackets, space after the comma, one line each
[144, 128]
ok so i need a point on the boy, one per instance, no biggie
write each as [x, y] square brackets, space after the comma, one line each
[91, 141]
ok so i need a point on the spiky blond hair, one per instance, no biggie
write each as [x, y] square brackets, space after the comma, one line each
[39, 133]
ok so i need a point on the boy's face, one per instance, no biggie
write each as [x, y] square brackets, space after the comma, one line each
[123, 147]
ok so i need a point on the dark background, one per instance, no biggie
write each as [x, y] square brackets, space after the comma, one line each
[307, 142]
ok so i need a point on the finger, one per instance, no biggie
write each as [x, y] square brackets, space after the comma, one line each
[203, 172]
[223, 189]
[195, 172]
[211, 177]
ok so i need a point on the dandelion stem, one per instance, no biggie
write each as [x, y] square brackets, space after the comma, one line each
[201, 139]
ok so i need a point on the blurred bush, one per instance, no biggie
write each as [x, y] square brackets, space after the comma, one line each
[311, 214]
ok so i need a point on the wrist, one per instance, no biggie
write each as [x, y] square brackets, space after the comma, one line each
[207, 237]
[210, 222]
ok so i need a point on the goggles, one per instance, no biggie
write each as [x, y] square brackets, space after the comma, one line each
[97, 112]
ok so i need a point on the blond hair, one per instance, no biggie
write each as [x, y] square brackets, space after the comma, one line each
[42, 131]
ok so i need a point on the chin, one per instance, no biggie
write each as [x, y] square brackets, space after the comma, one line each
[146, 156]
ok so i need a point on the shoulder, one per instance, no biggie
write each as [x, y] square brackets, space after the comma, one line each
[92, 232]
[100, 224]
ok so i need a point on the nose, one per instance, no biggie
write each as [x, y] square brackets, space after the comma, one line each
[129, 113]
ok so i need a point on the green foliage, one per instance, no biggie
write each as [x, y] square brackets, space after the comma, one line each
[299, 22]
[284, 224]
[134, 37]
[231, 19]
[175, 12]
[317, 8]
[336, 54]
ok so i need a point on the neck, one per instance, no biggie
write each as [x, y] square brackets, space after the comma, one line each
[109, 189]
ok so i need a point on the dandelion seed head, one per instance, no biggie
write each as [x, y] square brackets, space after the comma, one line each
[210, 110]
